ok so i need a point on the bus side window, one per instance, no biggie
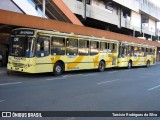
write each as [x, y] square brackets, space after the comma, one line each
[148, 51]
[103, 47]
[94, 46]
[83, 47]
[109, 47]
[142, 52]
[43, 46]
[130, 51]
[154, 51]
[136, 51]
[58, 46]
[145, 52]
[124, 50]
[72, 46]
[114, 47]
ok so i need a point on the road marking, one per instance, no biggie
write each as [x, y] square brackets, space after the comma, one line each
[72, 118]
[64, 76]
[56, 78]
[107, 82]
[154, 87]
[11, 83]
[2, 101]
[89, 74]
[113, 72]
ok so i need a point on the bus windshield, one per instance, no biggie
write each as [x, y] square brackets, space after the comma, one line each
[22, 46]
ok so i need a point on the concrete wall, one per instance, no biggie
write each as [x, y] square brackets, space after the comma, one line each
[136, 19]
[148, 7]
[131, 4]
[152, 25]
[96, 11]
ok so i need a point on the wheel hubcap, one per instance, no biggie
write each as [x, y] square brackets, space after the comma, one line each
[58, 69]
[129, 65]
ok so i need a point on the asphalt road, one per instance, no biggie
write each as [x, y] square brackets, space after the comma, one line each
[136, 89]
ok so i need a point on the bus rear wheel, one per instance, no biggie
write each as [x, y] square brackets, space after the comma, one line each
[129, 65]
[58, 69]
[101, 66]
[148, 63]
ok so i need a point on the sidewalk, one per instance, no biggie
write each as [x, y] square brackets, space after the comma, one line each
[157, 63]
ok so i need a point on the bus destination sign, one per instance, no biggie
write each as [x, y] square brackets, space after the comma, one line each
[23, 32]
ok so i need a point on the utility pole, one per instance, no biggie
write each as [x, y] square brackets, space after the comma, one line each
[85, 8]
[133, 32]
[151, 34]
[44, 8]
[158, 35]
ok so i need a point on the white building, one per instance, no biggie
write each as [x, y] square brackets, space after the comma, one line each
[132, 17]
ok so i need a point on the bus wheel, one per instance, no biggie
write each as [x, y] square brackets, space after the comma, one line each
[148, 63]
[58, 69]
[129, 65]
[101, 66]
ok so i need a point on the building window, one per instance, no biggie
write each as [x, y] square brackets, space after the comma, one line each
[109, 6]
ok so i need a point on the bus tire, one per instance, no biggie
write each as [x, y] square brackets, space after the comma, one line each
[101, 66]
[129, 65]
[148, 63]
[58, 69]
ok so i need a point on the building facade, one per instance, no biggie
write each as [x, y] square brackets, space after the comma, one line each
[131, 17]
[136, 18]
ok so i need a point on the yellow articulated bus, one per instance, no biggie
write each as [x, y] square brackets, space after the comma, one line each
[132, 54]
[39, 51]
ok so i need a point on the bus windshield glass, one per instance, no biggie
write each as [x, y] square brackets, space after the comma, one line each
[22, 46]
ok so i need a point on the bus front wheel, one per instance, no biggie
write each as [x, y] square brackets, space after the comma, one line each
[58, 69]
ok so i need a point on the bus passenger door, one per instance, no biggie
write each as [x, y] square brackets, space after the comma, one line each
[43, 58]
